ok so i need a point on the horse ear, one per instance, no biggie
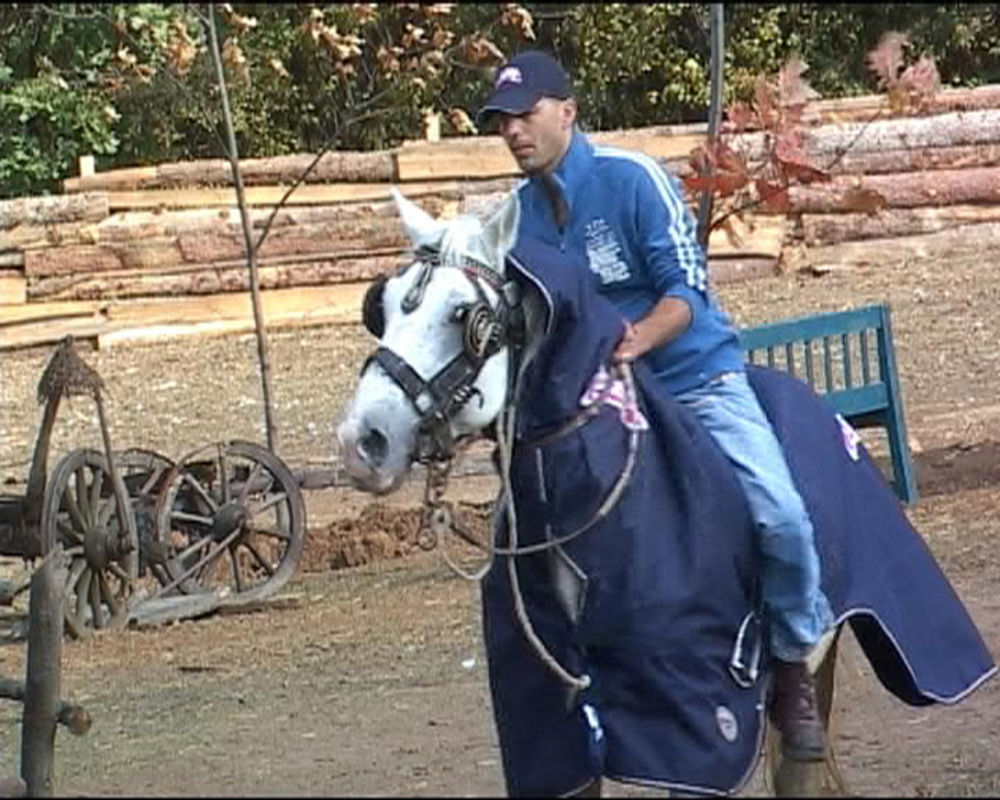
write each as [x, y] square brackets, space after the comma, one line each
[420, 226]
[500, 232]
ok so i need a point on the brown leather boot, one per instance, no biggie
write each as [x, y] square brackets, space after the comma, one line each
[795, 712]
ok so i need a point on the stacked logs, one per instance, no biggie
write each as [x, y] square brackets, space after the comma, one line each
[153, 233]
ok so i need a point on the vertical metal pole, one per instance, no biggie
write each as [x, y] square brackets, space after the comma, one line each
[718, 43]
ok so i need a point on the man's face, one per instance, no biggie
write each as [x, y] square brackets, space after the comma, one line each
[538, 138]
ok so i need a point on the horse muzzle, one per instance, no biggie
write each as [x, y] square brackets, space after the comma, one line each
[366, 456]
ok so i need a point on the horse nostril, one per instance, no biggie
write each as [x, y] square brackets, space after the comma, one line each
[373, 447]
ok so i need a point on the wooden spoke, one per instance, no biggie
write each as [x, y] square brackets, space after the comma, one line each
[81, 495]
[117, 571]
[71, 534]
[198, 519]
[75, 571]
[97, 483]
[271, 502]
[205, 559]
[257, 469]
[154, 477]
[114, 606]
[70, 504]
[82, 592]
[191, 549]
[274, 533]
[106, 510]
[201, 490]
[224, 476]
[235, 562]
[259, 558]
[95, 602]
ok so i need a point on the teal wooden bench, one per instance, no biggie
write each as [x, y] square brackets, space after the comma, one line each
[834, 354]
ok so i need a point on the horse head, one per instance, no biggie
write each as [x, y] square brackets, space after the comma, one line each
[444, 326]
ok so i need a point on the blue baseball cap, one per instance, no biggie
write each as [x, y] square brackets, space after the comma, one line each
[523, 81]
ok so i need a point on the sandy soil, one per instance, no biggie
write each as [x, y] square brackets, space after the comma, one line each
[371, 681]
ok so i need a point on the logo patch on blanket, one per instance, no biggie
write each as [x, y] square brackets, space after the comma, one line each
[631, 417]
[726, 721]
[851, 438]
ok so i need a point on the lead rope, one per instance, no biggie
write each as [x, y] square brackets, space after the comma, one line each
[440, 519]
[504, 439]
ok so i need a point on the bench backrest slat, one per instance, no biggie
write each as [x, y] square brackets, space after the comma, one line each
[873, 401]
[845, 343]
[865, 369]
[827, 363]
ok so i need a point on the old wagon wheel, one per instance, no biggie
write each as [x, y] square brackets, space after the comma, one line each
[88, 511]
[230, 519]
[144, 474]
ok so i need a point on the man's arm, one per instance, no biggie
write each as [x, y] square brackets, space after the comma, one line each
[667, 320]
[667, 242]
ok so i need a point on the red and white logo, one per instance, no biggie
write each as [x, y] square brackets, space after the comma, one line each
[851, 438]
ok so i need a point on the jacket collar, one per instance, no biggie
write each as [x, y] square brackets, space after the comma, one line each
[574, 167]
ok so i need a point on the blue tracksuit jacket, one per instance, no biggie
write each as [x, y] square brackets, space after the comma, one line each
[639, 240]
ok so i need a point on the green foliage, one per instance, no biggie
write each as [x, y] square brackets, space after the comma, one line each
[133, 84]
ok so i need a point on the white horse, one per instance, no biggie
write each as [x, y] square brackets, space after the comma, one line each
[622, 624]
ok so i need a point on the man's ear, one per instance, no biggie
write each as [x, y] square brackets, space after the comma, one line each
[569, 112]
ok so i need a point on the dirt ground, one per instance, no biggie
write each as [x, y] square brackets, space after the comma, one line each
[372, 680]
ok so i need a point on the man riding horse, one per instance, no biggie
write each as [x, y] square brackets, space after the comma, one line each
[620, 214]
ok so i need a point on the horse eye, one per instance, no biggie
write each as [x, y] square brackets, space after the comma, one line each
[460, 313]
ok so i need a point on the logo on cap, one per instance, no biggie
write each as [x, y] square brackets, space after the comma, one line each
[508, 75]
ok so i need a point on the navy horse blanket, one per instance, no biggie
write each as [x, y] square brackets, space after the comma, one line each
[668, 607]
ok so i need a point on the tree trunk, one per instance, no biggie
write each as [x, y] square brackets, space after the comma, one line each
[40, 210]
[859, 109]
[130, 226]
[916, 160]
[307, 194]
[899, 190]
[332, 167]
[44, 675]
[208, 246]
[940, 130]
[820, 229]
[211, 279]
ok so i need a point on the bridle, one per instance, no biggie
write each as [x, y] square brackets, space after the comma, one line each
[485, 331]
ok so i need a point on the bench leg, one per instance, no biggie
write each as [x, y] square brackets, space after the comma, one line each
[903, 475]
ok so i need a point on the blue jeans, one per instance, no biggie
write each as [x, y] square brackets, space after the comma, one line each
[798, 612]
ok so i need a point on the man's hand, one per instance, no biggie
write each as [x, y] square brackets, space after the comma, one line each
[628, 347]
[667, 320]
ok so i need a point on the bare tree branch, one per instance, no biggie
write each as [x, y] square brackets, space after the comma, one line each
[251, 251]
[334, 138]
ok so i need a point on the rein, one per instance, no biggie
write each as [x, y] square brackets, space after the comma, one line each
[486, 331]
[439, 519]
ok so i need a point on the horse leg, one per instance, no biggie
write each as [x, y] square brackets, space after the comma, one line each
[793, 778]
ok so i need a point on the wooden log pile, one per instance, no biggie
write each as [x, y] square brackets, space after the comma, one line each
[148, 247]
